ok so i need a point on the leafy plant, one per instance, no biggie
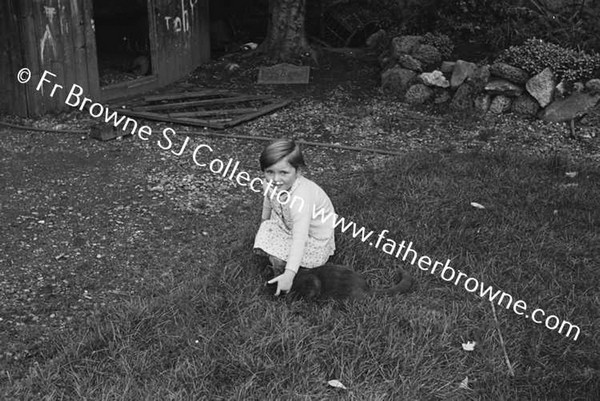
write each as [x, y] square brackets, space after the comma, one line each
[496, 23]
[574, 24]
[441, 42]
[535, 55]
[501, 23]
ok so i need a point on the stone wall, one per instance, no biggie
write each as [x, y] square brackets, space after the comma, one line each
[414, 72]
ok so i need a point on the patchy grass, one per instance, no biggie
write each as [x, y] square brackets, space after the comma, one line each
[127, 272]
[208, 328]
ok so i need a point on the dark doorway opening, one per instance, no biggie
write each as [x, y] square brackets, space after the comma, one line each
[122, 40]
[236, 22]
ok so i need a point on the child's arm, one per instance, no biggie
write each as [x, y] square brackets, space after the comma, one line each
[301, 225]
[301, 218]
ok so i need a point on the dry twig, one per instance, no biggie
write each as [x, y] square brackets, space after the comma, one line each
[511, 371]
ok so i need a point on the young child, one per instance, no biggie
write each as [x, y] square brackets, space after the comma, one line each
[289, 234]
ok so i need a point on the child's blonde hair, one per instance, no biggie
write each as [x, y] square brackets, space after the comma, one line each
[280, 149]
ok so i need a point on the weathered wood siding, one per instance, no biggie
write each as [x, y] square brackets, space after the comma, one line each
[182, 37]
[58, 36]
[45, 35]
[11, 58]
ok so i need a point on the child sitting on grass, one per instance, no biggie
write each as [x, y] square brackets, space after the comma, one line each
[292, 232]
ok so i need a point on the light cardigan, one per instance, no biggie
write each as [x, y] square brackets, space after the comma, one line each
[306, 217]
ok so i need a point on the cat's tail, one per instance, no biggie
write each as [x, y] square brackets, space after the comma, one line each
[404, 284]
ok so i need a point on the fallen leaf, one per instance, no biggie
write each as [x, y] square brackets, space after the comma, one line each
[477, 205]
[571, 174]
[337, 384]
[464, 384]
[469, 345]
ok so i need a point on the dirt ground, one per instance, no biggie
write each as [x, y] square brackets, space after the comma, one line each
[82, 220]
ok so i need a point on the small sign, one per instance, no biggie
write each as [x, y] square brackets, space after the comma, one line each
[103, 132]
[284, 74]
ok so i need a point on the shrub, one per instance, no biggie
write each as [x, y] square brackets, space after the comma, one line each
[568, 64]
[441, 42]
[501, 23]
[575, 24]
[495, 23]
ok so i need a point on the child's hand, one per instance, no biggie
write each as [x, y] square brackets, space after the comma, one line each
[284, 281]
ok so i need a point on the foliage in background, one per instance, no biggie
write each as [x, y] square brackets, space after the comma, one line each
[575, 24]
[502, 23]
[568, 64]
[492, 22]
[497, 24]
[441, 42]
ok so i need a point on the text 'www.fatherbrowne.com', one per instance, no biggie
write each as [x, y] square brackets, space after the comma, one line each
[449, 274]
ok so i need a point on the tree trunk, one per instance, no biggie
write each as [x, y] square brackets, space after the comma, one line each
[286, 36]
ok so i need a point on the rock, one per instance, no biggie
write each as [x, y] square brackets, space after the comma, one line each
[409, 62]
[447, 67]
[462, 70]
[560, 89]
[386, 61]
[463, 98]
[593, 85]
[440, 95]
[404, 44]
[541, 87]
[396, 80]
[482, 102]
[503, 87]
[377, 40]
[434, 78]
[525, 105]
[500, 104]
[418, 94]
[509, 73]
[480, 77]
[576, 105]
[428, 55]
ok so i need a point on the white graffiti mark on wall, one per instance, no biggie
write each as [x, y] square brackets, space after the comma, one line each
[50, 13]
[182, 23]
[47, 42]
[47, 38]
[62, 17]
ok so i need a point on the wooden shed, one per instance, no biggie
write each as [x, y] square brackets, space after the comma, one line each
[111, 48]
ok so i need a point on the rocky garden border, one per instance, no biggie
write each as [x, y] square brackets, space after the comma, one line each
[414, 71]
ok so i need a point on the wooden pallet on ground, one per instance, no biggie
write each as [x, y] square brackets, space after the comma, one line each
[212, 108]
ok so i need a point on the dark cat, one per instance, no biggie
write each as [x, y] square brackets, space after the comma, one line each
[336, 281]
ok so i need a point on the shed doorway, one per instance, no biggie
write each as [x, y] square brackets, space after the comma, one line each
[123, 40]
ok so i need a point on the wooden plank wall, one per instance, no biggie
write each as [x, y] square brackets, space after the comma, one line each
[52, 36]
[13, 96]
[58, 36]
[182, 37]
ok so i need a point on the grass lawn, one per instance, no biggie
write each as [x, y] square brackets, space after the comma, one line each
[127, 273]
